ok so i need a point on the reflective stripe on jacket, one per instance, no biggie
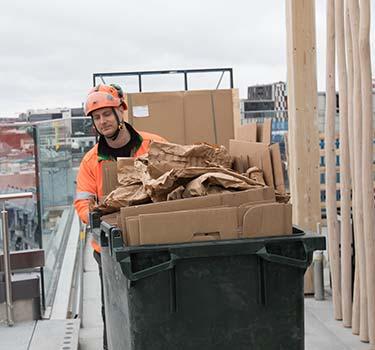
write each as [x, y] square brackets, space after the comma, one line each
[89, 178]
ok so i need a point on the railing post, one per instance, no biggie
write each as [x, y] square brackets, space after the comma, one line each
[7, 269]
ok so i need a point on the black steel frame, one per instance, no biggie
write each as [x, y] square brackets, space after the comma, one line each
[185, 72]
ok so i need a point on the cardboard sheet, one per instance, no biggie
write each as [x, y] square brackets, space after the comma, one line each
[186, 117]
[277, 167]
[187, 226]
[257, 154]
[247, 133]
[271, 219]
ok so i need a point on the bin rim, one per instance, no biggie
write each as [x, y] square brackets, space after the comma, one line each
[298, 235]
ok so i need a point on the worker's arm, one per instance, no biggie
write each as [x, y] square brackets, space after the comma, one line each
[86, 193]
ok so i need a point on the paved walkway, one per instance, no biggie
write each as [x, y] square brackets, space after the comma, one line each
[91, 334]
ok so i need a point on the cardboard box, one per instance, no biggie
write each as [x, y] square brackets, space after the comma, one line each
[243, 208]
[186, 117]
[130, 215]
[233, 199]
[187, 226]
[175, 205]
[271, 219]
[257, 154]
[264, 218]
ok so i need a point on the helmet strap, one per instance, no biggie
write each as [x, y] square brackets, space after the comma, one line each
[120, 125]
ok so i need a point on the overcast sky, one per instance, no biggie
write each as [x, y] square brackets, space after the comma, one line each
[50, 49]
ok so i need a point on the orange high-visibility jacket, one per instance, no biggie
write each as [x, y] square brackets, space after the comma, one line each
[89, 177]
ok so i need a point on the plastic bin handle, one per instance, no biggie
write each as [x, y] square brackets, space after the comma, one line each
[284, 260]
[135, 276]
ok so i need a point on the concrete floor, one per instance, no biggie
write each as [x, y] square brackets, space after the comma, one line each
[91, 334]
[322, 332]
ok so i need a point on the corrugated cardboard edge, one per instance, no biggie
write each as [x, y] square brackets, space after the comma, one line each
[236, 111]
[258, 155]
[131, 234]
[109, 175]
[277, 167]
[272, 219]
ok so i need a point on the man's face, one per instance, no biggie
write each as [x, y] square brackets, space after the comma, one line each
[105, 121]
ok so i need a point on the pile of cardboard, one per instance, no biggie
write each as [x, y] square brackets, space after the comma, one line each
[170, 171]
[197, 195]
[252, 147]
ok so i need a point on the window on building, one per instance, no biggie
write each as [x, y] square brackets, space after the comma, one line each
[323, 196]
[338, 195]
[322, 161]
[322, 178]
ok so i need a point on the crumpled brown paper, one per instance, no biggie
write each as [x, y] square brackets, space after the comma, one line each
[172, 171]
[163, 157]
[130, 191]
[158, 189]
[124, 196]
[256, 174]
[202, 185]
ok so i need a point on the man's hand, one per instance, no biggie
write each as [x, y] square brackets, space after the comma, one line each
[92, 204]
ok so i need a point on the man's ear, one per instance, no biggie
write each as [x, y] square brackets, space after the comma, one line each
[123, 113]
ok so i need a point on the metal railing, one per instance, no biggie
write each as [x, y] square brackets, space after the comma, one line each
[184, 72]
[7, 267]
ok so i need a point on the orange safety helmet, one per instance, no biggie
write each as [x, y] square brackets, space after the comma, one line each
[104, 96]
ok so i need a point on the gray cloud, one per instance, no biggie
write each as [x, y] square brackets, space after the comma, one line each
[49, 50]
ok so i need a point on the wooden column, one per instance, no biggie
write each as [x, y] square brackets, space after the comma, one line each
[357, 156]
[303, 120]
[367, 161]
[349, 62]
[345, 231]
[330, 156]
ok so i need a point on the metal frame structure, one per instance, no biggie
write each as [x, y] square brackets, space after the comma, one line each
[7, 266]
[185, 72]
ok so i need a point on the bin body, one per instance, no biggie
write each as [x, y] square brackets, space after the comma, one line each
[236, 294]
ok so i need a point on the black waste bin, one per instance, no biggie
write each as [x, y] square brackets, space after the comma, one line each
[217, 295]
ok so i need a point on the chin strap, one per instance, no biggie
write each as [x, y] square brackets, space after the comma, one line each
[120, 125]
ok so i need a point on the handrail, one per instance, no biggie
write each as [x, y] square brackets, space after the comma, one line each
[18, 195]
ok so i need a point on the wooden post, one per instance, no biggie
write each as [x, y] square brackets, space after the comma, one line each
[349, 60]
[302, 113]
[330, 155]
[345, 232]
[358, 202]
[367, 161]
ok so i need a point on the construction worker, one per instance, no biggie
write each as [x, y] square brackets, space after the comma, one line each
[106, 106]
